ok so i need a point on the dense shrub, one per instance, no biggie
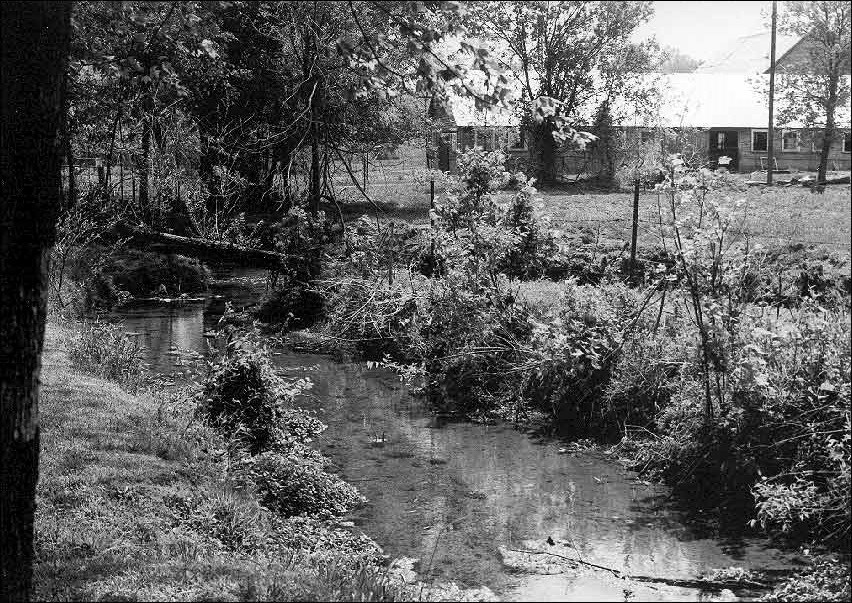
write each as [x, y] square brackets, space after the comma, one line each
[827, 580]
[293, 301]
[147, 273]
[468, 342]
[484, 238]
[532, 252]
[249, 403]
[782, 430]
[246, 399]
[796, 272]
[294, 482]
[573, 357]
[643, 378]
[292, 305]
[371, 317]
[110, 277]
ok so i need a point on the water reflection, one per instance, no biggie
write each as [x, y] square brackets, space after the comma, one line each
[451, 495]
[173, 334]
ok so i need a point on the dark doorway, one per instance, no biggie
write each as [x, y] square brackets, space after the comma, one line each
[446, 142]
[724, 143]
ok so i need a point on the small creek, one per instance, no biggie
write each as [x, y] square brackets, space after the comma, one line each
[452, 494]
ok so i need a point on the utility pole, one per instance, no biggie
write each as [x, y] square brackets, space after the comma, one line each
[770, 136]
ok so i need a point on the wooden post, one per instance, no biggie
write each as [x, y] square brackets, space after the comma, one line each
[432, 217]
[770, 134]
[390, 256]
[364, 171]
[635, 226]
[121, 163]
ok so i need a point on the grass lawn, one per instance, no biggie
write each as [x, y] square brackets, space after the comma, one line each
[135, 503]
[773, 217]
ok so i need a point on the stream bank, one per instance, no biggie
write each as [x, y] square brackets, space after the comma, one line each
[461, 498]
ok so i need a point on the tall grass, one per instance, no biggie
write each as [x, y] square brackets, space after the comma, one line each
[137, 500]
[104, 349]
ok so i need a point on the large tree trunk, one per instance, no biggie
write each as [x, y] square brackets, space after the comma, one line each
[34, 38]
[143, 169]
[543, 151]
[71, 200]
[829, 130]
[315, 190]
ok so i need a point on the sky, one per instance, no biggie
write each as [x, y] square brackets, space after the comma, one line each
[701, 29]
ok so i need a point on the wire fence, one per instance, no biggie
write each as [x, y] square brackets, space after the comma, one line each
[784, 215]
[398, 187]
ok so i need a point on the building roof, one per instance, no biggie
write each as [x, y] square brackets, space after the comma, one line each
[689, 100]
[463, 110]
[716, 100]
[748, 54]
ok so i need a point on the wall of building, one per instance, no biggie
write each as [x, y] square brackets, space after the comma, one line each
[570, 163]
[798, 58]
[804, 158]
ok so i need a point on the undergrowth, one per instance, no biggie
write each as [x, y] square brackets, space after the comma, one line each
[721, 367]
[139, 500]
[104, 349]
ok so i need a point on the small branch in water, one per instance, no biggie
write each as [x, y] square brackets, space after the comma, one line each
[683, 583]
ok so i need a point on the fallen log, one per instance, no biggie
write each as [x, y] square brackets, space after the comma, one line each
[698, 583]
[206, 248]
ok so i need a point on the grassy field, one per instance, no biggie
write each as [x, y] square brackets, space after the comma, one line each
[773, 217]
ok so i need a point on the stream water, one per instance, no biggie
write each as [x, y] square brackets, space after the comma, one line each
[462, 497]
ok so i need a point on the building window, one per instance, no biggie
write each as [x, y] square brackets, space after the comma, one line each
[759, 140]
[465, 138]
[847, 142]
[790, 140]
[518, 138]
[816, 142]
[483, 137]
[449, 139]
[647, 136]
[721, 140]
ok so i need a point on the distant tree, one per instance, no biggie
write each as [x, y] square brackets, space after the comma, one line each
[569, 52]
[674, 61]
[811, 85]
[34, 40]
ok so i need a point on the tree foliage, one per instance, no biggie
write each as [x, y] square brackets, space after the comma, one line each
[811, 83]
[232, 106]
[563, 58]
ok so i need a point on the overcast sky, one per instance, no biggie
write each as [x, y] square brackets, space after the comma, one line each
[701, 29]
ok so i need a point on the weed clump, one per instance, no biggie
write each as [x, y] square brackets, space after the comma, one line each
[244, 397]
[248, 402]
[827, 580]
[294, 482]
[110, 278]
[104, 349]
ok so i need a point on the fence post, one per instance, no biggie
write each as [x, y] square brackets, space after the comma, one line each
[364, 171]
[432, 217]
[390, 256]
[635, 226]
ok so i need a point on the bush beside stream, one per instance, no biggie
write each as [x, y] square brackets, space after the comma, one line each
[138, 499]
[105, 277]
[749, 411]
